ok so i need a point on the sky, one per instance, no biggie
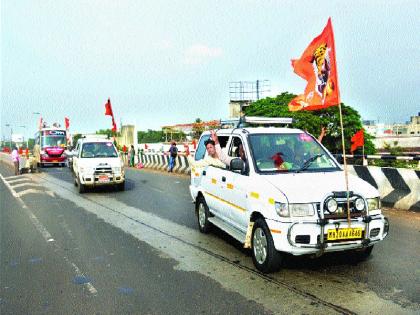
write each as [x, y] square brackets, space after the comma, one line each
[169, 62]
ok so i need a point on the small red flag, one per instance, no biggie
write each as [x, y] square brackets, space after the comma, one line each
[317, 66]
[108, 112]
[67, 122]
[358, 140]
[108, 109]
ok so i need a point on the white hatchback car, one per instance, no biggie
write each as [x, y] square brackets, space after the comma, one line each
[286, 194]
[96, 162]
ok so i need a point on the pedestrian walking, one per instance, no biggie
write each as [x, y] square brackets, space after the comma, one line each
[173, 153]
[132, 155]
[124, 149]
[15, 159]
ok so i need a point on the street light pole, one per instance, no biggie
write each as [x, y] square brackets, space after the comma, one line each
[26, 137]
[11, 132]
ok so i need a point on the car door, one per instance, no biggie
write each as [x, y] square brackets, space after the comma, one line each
[236, 188]
[76, 153]
[214, 187]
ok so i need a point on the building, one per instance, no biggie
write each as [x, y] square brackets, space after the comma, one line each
[405, 135]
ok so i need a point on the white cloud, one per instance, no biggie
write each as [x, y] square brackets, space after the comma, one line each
[197, 54]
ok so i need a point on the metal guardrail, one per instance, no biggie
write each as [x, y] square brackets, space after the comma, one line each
[380, 157]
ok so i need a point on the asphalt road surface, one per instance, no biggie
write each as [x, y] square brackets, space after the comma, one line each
[140, 252]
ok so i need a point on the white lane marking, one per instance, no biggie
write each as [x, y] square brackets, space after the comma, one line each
[46, 235]
[15, 177]
[19, 180]
[29, 191]
[156, 189]
[26, 184]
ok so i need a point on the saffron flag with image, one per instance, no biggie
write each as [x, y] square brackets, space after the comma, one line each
[317, 66]
[358, 140]
[67, 122]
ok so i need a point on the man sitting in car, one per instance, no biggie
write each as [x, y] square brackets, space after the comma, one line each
[212, 157]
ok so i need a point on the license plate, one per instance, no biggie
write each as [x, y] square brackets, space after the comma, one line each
[344, 234]
[103, 179]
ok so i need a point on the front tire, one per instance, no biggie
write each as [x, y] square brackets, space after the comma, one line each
[203, 215]
[264, 255]
[121, 186]
[82, 188]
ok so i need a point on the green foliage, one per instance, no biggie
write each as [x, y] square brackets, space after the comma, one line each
[198, 128]
[313, 121]
[31, 143]
[396, 151]
[150, 136]
[107, 132]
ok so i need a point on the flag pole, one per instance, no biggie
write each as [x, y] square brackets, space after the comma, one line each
[345, 164]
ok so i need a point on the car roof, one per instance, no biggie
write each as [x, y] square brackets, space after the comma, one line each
[93, 140]
[256, 130]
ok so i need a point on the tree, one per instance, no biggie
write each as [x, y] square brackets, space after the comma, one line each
[198, 128]
[150, 136]
[313, 121]
[107, 132]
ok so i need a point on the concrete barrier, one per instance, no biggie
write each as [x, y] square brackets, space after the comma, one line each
[399, 187]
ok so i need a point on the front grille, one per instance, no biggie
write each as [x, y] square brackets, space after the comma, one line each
[103, 171]
[374, 232]
[54, 155]
[302, 239]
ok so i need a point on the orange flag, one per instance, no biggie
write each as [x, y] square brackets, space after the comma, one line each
[317, 66]
[108, 112]
[358, 140]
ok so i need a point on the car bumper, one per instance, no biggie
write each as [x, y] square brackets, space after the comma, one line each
[305, 237]
[94, 180]
[53, 160]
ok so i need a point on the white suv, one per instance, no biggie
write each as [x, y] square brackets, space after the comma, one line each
[96, 162]
[286, 194]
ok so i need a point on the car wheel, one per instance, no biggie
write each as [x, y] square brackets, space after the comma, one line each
[203, 214]
[121, 186]
[264, 255]
[82, 188]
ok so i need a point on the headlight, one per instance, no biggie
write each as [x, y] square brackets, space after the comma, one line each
[42, 152]
[373, 203]
[359, 203]
[282, 209]
[86, 170]
[301, 209]
[332, 205]
[116, 169]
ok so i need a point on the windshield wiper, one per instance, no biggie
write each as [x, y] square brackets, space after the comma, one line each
[309, 162]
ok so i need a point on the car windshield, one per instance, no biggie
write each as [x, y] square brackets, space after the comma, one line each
[53, 141]
[297, 152]
[98, 149]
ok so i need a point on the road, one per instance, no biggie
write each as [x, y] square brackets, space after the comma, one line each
[140, 252]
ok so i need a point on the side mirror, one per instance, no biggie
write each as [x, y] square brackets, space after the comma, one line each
[237, 165]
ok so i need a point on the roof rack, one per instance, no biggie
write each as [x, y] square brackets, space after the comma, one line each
[95, 136]
[253, 121]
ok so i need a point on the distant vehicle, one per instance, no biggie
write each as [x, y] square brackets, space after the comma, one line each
[96, 162]
[50, 144]
[285, 193]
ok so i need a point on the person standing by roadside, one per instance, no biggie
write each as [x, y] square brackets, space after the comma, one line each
[125, 153]
[15, 159]
[173, 153]
[132, 155]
